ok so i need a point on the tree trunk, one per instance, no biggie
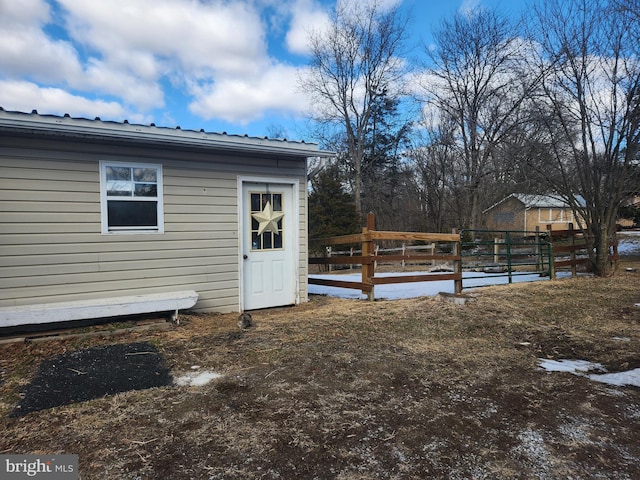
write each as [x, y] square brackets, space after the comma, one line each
[357, 190]
[601, 264]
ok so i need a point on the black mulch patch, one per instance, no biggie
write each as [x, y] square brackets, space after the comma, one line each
[93, 373]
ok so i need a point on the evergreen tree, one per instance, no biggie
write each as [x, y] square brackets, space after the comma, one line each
[332, 210]
[383, 174]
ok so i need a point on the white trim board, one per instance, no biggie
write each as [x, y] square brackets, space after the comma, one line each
[294, 182]
[98, 308]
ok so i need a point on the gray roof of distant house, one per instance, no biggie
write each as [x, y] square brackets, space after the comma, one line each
[544, 201]
[539, 201]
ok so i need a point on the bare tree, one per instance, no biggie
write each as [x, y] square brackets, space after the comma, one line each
[480, 80]
[592, 110]
[434, 162]
[353, 63]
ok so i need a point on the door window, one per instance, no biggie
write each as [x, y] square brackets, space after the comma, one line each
[267, 221]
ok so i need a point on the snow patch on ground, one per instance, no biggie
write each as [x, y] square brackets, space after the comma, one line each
[571, 366]
[631, 377]
[197, 379]
[629, 244]
[583, 367]
[418, 289]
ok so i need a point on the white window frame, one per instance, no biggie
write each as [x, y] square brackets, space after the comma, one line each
[104, 198]
[563, 213]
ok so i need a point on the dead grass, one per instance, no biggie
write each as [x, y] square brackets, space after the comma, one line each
[352, 390]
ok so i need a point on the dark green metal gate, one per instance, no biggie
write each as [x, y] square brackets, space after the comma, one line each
[505, 253]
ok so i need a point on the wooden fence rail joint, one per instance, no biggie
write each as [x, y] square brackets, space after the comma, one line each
[370, 255]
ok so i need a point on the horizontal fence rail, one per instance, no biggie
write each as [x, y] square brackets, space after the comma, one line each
[503, 253]
[371, 255]
[570, 248]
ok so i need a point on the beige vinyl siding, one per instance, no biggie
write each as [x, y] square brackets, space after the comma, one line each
[508, 215]
[512, 215]
[50, 225]
[303, 266]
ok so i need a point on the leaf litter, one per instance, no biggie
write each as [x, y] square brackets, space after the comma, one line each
[350, 389]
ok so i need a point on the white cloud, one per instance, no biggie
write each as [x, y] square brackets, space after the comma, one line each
[134, 90]
[469, 7]
[24, 96]
[25, 50]
[24, 12]
[244, 100]
[198, 37]
[307, 16]
[312, 16]
[379, 4]
[214, 51]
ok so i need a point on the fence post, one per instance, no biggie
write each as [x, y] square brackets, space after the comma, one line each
[330, 267]
[404, 252]
[616, 255]
[496, 250]
[538, 251]
[574, 271]
[457, 251]
[507, 240]
[552, 266]
[368, 270]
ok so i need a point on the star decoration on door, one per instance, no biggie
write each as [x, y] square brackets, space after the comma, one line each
[268, 219]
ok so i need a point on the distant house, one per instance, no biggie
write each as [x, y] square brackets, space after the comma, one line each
[523, 212]
[93, 210]
[629, 213]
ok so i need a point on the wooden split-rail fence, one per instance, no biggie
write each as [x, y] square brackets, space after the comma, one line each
[564, 249]
[370, 257]
[570, 249]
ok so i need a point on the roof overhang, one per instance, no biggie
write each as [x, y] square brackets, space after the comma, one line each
[82, 129]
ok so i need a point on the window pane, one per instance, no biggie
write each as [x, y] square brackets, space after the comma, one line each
[255, 202]
[124, 213]
[266, 240]
[119, 188]
[277, 241]
[145, 175]
[255, 241]
[504, 217]
[119, 173]
[277, 202]
[146, 190]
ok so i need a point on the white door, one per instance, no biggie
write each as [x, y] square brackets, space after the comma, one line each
[268, 249]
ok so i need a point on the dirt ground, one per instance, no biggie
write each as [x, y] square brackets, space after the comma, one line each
[345, 389]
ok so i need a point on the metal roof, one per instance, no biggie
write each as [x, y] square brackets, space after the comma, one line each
[35, 124]
[539, 201]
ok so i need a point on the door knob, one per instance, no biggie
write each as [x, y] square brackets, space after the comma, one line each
[245, 256]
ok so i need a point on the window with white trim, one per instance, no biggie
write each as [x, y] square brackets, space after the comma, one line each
[131, 197]
[554, 215]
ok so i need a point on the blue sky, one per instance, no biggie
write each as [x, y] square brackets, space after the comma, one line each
[222, 65]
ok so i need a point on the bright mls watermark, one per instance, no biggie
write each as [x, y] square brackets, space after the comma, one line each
[48, 467]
